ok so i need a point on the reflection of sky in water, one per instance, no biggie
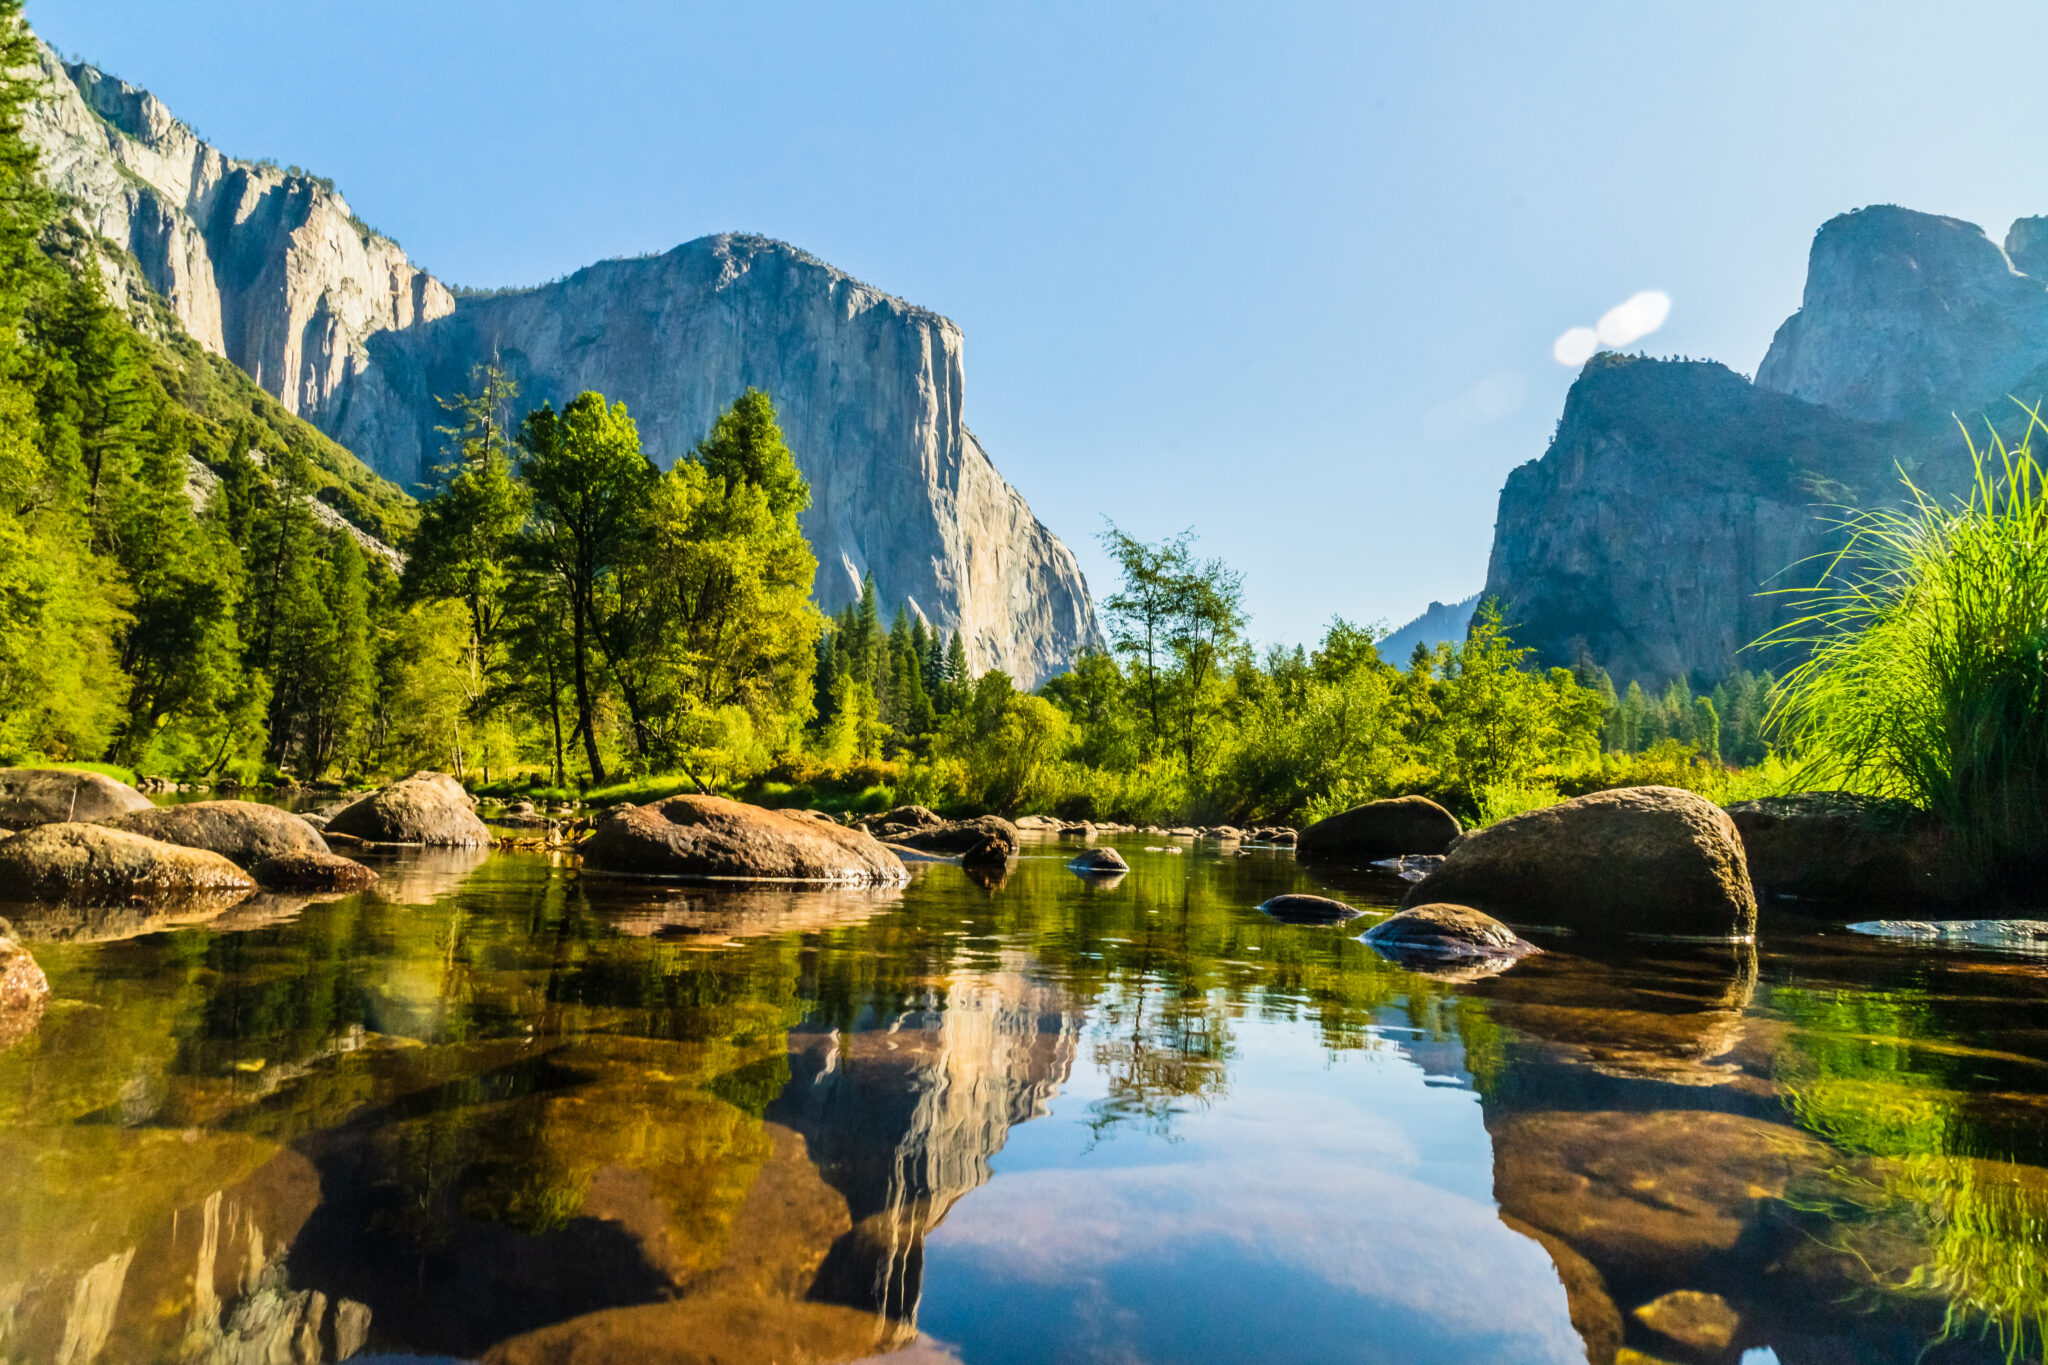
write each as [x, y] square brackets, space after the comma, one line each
[1332, 1207]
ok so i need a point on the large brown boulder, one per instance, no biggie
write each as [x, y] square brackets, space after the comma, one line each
[1379, 829]
[23, 989]
[1860, 851]
[1646, 860]
[709, 836]
[305, 870]
[243, 832]
[891, 824]
[45, 796]
[91, 862]
[988, 837]
[426, 808]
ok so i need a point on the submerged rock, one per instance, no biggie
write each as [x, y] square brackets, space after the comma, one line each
[46, 796]
[1412, 868]
[241, 831]
[1100, 861]
[1838, 846]
[1380, 829]
[86, 862]
[1299, 909]
[1702, 1321]
[304, 870]
[709, 836]
[2028, 936]
[426, 808]
[1446, 931]
[23, 991]
[1645, 860]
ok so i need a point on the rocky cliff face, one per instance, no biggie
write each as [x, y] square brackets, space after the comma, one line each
[266, 267]
[869, 389]
[273, 270]
[1676, 496]
[1906, 312]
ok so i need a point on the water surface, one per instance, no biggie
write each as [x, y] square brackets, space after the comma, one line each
[498, 1109]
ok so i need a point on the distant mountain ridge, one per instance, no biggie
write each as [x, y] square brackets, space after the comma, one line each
[272, 269]
[1677, 497]
[1441, 623]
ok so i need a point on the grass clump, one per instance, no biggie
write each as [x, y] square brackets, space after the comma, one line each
[1927, 676]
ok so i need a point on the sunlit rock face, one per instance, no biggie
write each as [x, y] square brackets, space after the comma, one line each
[903, 1121]
[869, 389]
[1907, 311]
[274, 271]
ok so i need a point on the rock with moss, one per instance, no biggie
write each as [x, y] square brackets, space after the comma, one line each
[1637, 860]
[244, 832]
[307, 870]
[23, 991]
[430, 809]
[69, 861]
[1824, 847]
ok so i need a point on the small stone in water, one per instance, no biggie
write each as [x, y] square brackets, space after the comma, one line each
[1698, 1319]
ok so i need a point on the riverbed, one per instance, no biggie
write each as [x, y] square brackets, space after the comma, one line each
[498, 1108]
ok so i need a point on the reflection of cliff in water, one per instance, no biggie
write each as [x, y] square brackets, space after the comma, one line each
[1642, 1135]
[903, 1119]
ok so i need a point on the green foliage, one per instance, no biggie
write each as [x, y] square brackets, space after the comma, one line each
[1927, 677]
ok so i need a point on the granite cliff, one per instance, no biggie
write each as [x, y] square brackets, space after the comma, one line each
[1677, 495]
[273, 270]
[870, 391]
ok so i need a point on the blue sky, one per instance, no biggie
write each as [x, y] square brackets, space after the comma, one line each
[1289, 275]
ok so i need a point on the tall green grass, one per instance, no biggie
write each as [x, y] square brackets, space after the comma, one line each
[1928, 672]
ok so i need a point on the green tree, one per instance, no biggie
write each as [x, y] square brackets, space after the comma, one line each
[591, 488]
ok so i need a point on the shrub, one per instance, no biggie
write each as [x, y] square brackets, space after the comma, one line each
[1928, 672]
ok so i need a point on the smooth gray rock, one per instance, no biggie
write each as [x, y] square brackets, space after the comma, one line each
[1437, 929]
[43, 796]
[244, 832]
[431, 809]
[1100, 862]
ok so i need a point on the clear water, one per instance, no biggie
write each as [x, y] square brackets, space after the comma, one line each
[497, 1109]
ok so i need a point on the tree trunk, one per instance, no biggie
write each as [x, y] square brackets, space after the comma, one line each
[577, 647]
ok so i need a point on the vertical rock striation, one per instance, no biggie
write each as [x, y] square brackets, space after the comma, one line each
[1905, 313]
[272, 269]
[269, 268]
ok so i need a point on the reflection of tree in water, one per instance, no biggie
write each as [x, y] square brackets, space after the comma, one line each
[1161, 1053]
[1945, 1195]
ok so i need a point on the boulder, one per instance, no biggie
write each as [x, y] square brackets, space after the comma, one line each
[243, 832]
[991, 849]
[709, 836]
[1379, 829]
[959, 836]
[893, 824]
[69, 861]
[1446, 931]
[1645, 860]
[1100, 860]
[305, 870]
[426, 808]
[1838, 846]
[23, 990]
[46, 796]
[1298, 909]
